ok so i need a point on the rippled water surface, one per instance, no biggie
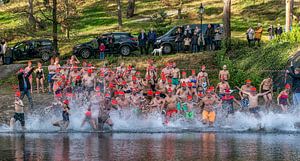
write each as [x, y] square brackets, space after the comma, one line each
[157, 146]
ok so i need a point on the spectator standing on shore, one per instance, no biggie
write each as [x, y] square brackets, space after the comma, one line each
[178, 39]
[142, 42]
[3, 46]
[258, 33]
[111, 42]
[102, 50]
[201, 42]
[40, 77]
[27, 69]
[209, 35]
[294, 73]
[271, 32]
[151, 39]
[194, 42]
[218, 36]
[250, 36]
[51, 69]
[278, 30]
[187, 44]
[188, 31]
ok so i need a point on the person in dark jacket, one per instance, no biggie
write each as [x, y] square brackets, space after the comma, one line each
[151, 39]
[209, 35]
[295, 75]
[194, 43]
[179, 39]
[142, 41]
[24, 84]
[278, 30]
[111, 43]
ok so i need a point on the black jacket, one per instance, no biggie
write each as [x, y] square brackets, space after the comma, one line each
[21, 81]
[142, 42]
[295, 80]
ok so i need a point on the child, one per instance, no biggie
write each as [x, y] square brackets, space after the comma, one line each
[40, 77]
[19, 112]
[64, 123]
[283, 98]
[187, 43]
[102, 50]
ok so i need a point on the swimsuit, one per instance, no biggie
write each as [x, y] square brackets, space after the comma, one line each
[245, 103]
[175, 81]
[39, 74]
[283, 99]
[254, 110]
[65, 116]
[228, 104]
[20, 117]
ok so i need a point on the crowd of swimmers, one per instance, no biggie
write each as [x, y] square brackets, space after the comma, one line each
[169, 92]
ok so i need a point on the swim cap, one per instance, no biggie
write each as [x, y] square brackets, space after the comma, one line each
[18, 94]
[169, 80]
[21, 70]
[97, 88]
[107, 95]
[227, 91]
[101, 74]
[90, 71]
[138, 73]
[248, 81]
[287, 86]
[66, 102]
[134, 78]
[183, 73]
[193, 71]
[170, 90]
[203, 67]
[75, 67]
[212, 88]
[183, 84]
[157, 93]
[189, 97]
[78, 77]
[129, 67]
[190, 84]
[89, 65]
[111, 85]
[121, 93]
[150, 93]
[253, 89]
[88, 113]
[124, 83]
[114, 102]
[63, 77]
[200, 95]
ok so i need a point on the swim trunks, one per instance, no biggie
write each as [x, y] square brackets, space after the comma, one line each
[209, 115]
[20, 117]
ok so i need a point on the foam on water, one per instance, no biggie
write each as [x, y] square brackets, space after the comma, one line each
[127, 120]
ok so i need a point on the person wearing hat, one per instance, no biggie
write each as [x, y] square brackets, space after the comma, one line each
[253, 100]
[170, 101]
[104, 112]
[227, 102]
[267, 85]
[222, 86]
[24, 84]
[19, 112]
[175, 75]
[283, 98]
[157, 103]
[89, 81]
[202, 78]
[258, 33]
[64, 123]
[244, 98]
[224, 74]
[122, 101]
[208, 113]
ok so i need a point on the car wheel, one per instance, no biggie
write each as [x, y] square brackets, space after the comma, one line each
[125, 50]
[45, 55]
[85, 53]
[167, 49]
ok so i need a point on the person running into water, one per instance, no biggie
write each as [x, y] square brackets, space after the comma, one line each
[227, 102]
[267, 85]
[19, 112]
[253, 100]
[244, 97]
[170, 101]
[208, 113]
[283, 98]
[104, 110]
[222, 86]
[88, 118]
[64, 123]
[202, 77]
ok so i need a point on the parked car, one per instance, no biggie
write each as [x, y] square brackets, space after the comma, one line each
[124, 43]
[168, 39]
[42, 48]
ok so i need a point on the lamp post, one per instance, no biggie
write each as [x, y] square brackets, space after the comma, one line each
[201, 11]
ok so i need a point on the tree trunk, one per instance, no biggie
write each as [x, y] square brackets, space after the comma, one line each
[66, 19]
[226, 19]
[179, 13]
[130, 8]
[54, 25]
[31, 18]
[287, 15]
[119, 13]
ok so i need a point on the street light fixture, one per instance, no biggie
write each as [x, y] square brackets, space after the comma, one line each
[201, 11]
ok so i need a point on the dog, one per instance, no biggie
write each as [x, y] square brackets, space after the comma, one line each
[158, 51]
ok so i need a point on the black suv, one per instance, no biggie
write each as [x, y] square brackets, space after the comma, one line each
[168, 39]
[124, 43]
[33, 49]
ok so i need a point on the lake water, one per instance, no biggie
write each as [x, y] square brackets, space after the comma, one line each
[150, 146]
